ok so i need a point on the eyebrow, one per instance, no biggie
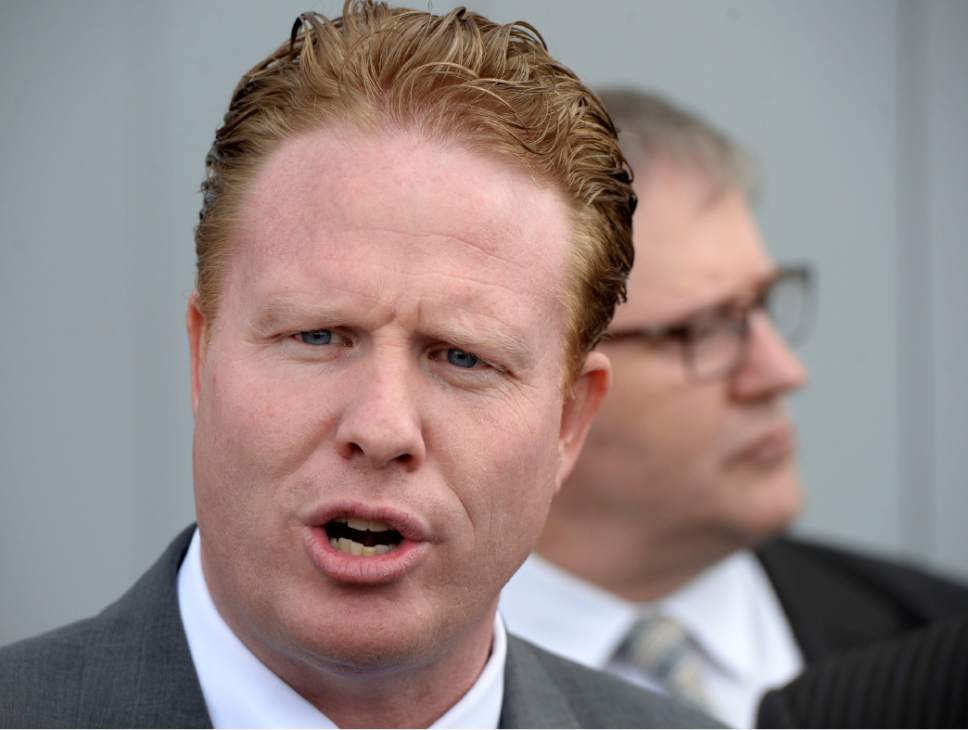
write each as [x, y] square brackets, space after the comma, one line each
[276, 311]
[502, 345]
[284, 311]
[722, 302]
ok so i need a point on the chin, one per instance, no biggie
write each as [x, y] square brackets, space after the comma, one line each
[359, 646]
[769, 506]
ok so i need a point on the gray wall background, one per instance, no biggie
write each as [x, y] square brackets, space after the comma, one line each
[857, 112]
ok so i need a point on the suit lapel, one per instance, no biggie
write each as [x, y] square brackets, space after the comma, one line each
[138, 670]
[829, 609]
[531, 697]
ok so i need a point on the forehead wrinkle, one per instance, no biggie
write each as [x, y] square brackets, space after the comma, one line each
[329, 299]
[481, 248]
[521, 258]
[474, 296]
[289, 295]
[403, 265]
[281, 298]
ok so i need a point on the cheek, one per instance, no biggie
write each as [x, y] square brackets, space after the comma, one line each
[514, 457]
[656, 443]
[664, 416]
[686, 427]
[251, 432]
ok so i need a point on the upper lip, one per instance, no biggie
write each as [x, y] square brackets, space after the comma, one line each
[407, 524]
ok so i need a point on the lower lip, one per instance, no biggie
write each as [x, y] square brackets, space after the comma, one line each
[775, 448]
[358, 569]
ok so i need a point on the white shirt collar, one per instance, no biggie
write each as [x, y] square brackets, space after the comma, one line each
[241, 692]
[730, 611]
[561, 612]
[721, 609]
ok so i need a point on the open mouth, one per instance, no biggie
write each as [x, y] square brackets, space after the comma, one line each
[367, 538]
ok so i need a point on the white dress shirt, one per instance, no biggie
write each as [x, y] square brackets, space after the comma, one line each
[241, 692]
[730, 611]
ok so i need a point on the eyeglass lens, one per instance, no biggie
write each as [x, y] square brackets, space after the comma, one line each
[716, 349]
[787, 302]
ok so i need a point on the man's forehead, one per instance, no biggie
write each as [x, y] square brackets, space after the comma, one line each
[398, 180]
[691, 253]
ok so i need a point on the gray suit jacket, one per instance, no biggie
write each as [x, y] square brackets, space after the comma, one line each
[130, 666]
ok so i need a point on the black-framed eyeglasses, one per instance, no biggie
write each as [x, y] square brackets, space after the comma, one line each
[715, 340]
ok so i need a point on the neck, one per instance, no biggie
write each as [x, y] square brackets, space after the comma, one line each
[625, 557]
[413, 693]
[411, 696]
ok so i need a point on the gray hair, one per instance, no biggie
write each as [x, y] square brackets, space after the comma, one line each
[652, 129]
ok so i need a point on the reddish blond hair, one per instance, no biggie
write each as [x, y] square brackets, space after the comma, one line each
[461, 77]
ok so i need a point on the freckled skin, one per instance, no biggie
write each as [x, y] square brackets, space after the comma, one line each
[658, 477]
[439, 249]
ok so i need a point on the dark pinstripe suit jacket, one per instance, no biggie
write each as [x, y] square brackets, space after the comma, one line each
[130, 666]
[837, 599]
[916, 680]
[878, 638]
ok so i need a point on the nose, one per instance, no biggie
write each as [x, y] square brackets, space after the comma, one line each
[770, 367]
[381, 425]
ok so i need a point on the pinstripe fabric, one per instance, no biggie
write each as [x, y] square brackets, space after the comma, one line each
[837, 600]
[917, 680]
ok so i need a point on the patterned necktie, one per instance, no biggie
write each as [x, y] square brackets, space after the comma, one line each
[661, 649]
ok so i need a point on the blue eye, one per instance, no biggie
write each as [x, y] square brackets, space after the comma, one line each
[316, 337]
[461, 359]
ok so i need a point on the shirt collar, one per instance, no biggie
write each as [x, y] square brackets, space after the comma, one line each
[587, 624]
[552, 608]
[721, 610]
[240, 691]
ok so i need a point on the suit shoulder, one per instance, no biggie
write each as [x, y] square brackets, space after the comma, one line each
[129, 666]
[920, 593]
[598, 699]
[40, 677]
[913, 680]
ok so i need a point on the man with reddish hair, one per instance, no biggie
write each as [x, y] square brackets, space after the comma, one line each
[414, 231]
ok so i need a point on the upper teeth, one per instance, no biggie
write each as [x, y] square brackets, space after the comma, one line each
[358, 524]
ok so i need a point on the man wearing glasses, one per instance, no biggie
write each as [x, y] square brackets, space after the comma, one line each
[656, 558]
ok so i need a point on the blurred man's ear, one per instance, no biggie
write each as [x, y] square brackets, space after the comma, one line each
[579, 408]
[197, 327]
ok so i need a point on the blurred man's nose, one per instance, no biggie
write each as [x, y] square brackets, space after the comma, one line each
[380, 426]
[770, 367]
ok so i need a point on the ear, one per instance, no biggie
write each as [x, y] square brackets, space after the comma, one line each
[197, 327]
[579, 408]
